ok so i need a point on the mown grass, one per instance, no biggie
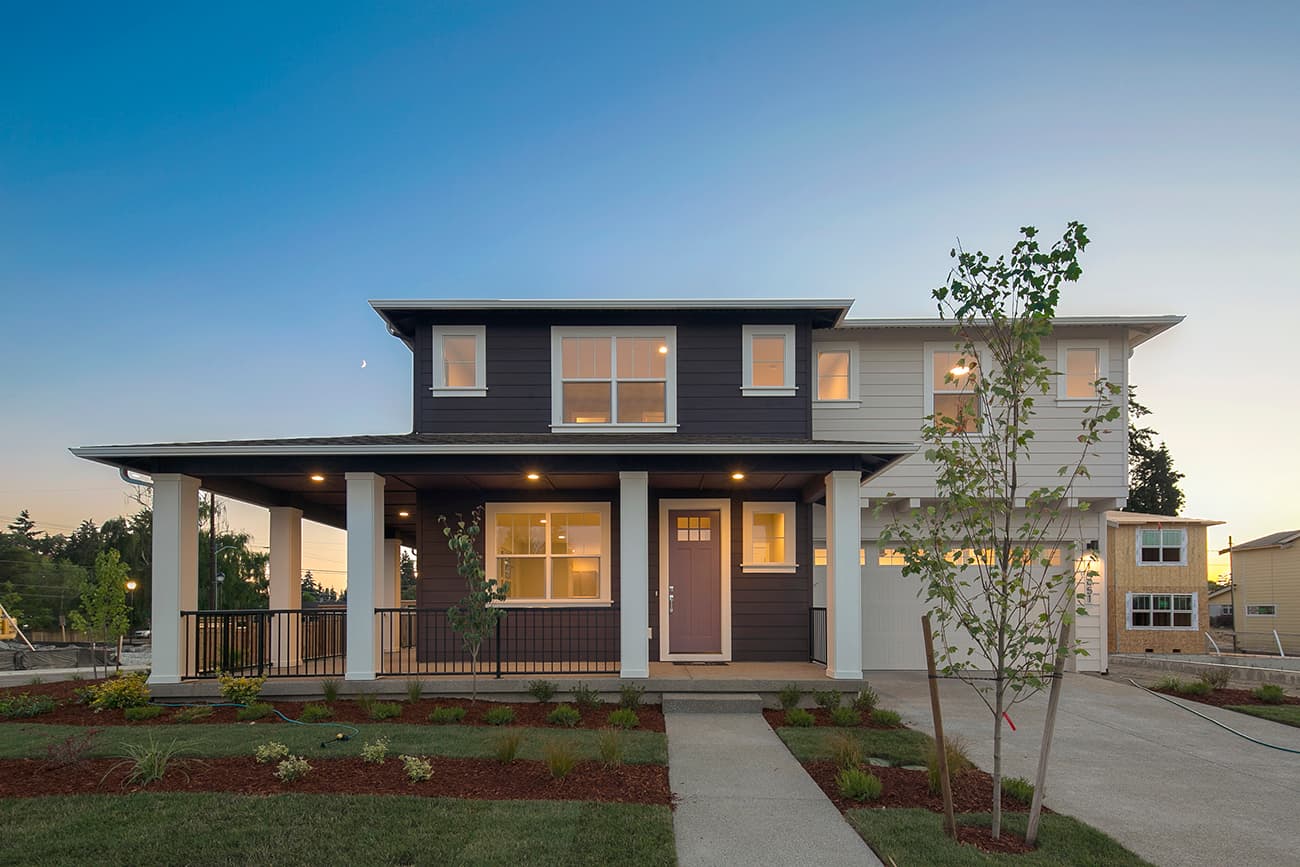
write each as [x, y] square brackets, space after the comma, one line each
[900, 746]
[915, 837]
[210, 740]
[165, 829]
[1287, 714]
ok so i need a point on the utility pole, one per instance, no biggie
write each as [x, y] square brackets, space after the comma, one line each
[212, 543]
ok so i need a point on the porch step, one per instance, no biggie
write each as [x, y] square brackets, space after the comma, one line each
[712, 702]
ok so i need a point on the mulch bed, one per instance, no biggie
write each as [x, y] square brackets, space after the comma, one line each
[821, 719]
[1226, 697]
[982, 838]
[972, 792]
[477, 779]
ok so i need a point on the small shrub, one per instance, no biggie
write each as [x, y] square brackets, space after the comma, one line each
[374, 752]
[789, 696]
[36, 680]
[1269, 693]
[630, 695]
[417, 769]
[1217, 678]
[447, 715]
[70, 750]
[315, 713]
[586, 697]
[542, 690]
[292, 769]
[564, 715]
[846, 717]
[330, 689]
[140, 714]
[506, 746]
[610, 746]
[254, 711]
[83, 694]
[382, 710]
[240, 690]
[1168, 684]
[499, 716]
[270, 752]
[624, 718]
[129, 690]
[845, 749]
[560, 758]
[365, 701]
[866, 699]
[882, 717]
[858, 785]
[414, 691]
[797, 716]
[1183, 687]
[192, 714]
[959, 762]
[149, 761]
[1019, 788]
[23, 705]
[828, 699]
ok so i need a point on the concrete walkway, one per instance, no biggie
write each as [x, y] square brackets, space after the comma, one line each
[1173, 788]
[743, 799]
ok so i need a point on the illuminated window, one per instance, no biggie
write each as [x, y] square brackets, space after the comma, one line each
[549, 552]
[1161, 610]
[769, 537]
[768, 352]
[819, 556]
[1081, 363]
[836, 367]
[952, 377]
[1162, 547]
[459, 361]
[614, 377]
[891, 557]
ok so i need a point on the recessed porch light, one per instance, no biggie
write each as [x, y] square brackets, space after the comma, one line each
[403, 514]
[738, 477]
[532, 477]
[317, 477]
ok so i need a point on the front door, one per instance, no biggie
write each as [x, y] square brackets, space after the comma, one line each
[694, 581]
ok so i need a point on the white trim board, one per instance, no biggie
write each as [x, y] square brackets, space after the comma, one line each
[724, 507]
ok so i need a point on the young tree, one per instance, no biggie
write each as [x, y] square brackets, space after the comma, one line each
[995, 555]
[103, 601]
[1153, 481]
[476, 616]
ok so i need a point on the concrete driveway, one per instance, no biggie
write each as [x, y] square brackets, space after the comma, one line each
[1174, 788]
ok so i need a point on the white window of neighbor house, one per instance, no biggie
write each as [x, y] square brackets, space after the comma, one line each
[1080, 364]
[459, 361]
[951, 378]
[1269, 610]
[1162, 547]
[835, 365]
[768, 360]
[1161, 610]
[769, 537]
[556, 553]
[614, 378]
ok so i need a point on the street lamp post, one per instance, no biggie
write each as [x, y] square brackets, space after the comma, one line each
[130, 597]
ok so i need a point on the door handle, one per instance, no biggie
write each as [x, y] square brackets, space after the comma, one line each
[670, 599]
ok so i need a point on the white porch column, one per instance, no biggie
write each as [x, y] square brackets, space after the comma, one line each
[843, 575]
[286, 583]
[175, 572]
[365, 509]
[391, 595]
[634, 573]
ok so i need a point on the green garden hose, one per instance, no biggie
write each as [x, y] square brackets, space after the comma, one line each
[1215, 721]
[355, 731]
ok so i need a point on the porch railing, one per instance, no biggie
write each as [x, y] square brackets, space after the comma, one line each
[817, 635]
[286, 642]
[559, 640]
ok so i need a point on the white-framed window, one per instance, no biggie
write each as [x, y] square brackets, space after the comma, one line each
[621, 378]
[1162, 547]
[769, 537]
[1161, 610]
[1268, 610]
[951, 376]
[835, 374]
[819, 555]
[1080, 363]
[768, 358]
[549, 553]
[459, 365]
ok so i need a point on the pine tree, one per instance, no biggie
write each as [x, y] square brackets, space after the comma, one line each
[1153, 481]
[23, 526]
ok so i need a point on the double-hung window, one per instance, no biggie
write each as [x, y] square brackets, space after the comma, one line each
[614, 378]
[835, 366]
[1081, 363]
[1161, 610]
[458, 361]
[769, 537]
[549, 552]
[1162, 547]
[951, 379]
[768, 361]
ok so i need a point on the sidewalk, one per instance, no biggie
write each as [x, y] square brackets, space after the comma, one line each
[743, 799]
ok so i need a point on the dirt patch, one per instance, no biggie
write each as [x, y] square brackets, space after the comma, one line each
[821, 719]
[982, 838]
[1226, 697]
[476, 779]
[972, 792]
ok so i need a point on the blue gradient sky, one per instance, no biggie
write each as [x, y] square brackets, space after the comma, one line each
[196, 202]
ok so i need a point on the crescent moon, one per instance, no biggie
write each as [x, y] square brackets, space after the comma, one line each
[363, 362]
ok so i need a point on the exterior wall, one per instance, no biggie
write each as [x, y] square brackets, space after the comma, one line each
[1263, 576]
[1127, 576]
[892, 388]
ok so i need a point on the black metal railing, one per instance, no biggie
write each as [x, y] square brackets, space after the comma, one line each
[817, 635]
[557, 640]
[285, 642]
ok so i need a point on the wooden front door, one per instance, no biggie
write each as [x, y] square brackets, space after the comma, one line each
[695, 581]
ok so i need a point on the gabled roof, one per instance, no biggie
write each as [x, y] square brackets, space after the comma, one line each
[1117, 518]
[1273, 540]
[1140, 328]
[1226, 588]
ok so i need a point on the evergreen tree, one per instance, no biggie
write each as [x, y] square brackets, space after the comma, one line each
[23, 526]
[1153, 481]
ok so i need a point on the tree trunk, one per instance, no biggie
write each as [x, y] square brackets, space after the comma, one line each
[997, 763]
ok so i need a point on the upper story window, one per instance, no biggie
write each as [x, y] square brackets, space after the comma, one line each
[1162, 547]
[951, 377]
[1081, 363]
[614, 377]
[768, 352]
[836, 369]
[458, 361]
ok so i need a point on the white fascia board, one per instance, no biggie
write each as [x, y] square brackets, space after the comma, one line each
[568, 448]
[608, 303]
[1141, 328]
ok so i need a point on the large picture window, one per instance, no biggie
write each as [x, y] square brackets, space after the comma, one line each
[1162, 547]
[1161, 610]
[620, 377]
[549, 552]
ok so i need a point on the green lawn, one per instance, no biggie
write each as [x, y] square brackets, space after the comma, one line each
[30, 740]
[1287, 714]
[915, 837]
[901, 746]
[146, 829]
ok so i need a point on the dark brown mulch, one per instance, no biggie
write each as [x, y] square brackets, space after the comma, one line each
[982, 838]
[821, 718]
[478, 779]
[972, 792]
[1225, 697]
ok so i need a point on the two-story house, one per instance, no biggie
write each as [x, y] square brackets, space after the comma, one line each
[658, 481]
